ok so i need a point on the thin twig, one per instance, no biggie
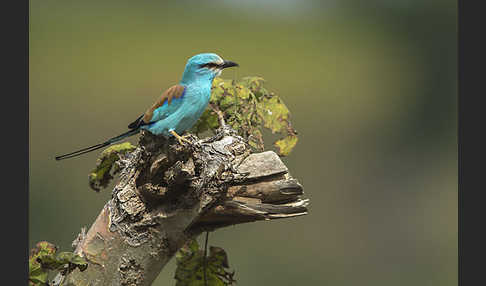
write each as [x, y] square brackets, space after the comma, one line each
[204, 258]
[220, 114]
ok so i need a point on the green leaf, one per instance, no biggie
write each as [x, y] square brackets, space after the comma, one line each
[219, 89]
[43, 258]
[243, 92]
[37, 274]
[208, 121]
[254, 83]
[80, 262]
[249, 108]
[218, 256]
[190, 266]
[101, 175]
[227, 101]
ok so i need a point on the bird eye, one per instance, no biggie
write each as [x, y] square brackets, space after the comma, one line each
[209, 65]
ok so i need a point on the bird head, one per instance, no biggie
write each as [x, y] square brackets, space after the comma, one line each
[205, 66]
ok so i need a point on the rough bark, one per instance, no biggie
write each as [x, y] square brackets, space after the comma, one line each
[168, 193]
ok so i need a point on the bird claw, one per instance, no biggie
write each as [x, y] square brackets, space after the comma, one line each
[181, 139]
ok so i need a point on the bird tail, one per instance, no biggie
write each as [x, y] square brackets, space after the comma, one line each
[98, 146]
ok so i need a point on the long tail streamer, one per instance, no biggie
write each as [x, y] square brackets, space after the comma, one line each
[98, 146]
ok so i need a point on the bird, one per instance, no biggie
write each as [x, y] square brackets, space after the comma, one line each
[178, 108]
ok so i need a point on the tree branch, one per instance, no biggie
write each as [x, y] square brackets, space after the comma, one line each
[168, 193]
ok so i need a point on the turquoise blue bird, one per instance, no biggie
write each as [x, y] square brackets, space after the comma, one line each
[179, 107]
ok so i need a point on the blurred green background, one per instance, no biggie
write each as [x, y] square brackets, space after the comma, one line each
[372, 87]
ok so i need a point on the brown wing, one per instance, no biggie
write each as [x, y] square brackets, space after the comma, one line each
[174, 91]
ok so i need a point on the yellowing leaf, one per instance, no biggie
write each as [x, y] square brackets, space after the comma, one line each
[286, 144]
[249, 108]
[274, 114]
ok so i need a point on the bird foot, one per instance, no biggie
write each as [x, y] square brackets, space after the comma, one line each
[180, 138]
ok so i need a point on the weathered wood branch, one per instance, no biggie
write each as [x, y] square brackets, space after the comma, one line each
[168, 193]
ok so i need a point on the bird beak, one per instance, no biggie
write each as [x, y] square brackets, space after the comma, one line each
[228, 64]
